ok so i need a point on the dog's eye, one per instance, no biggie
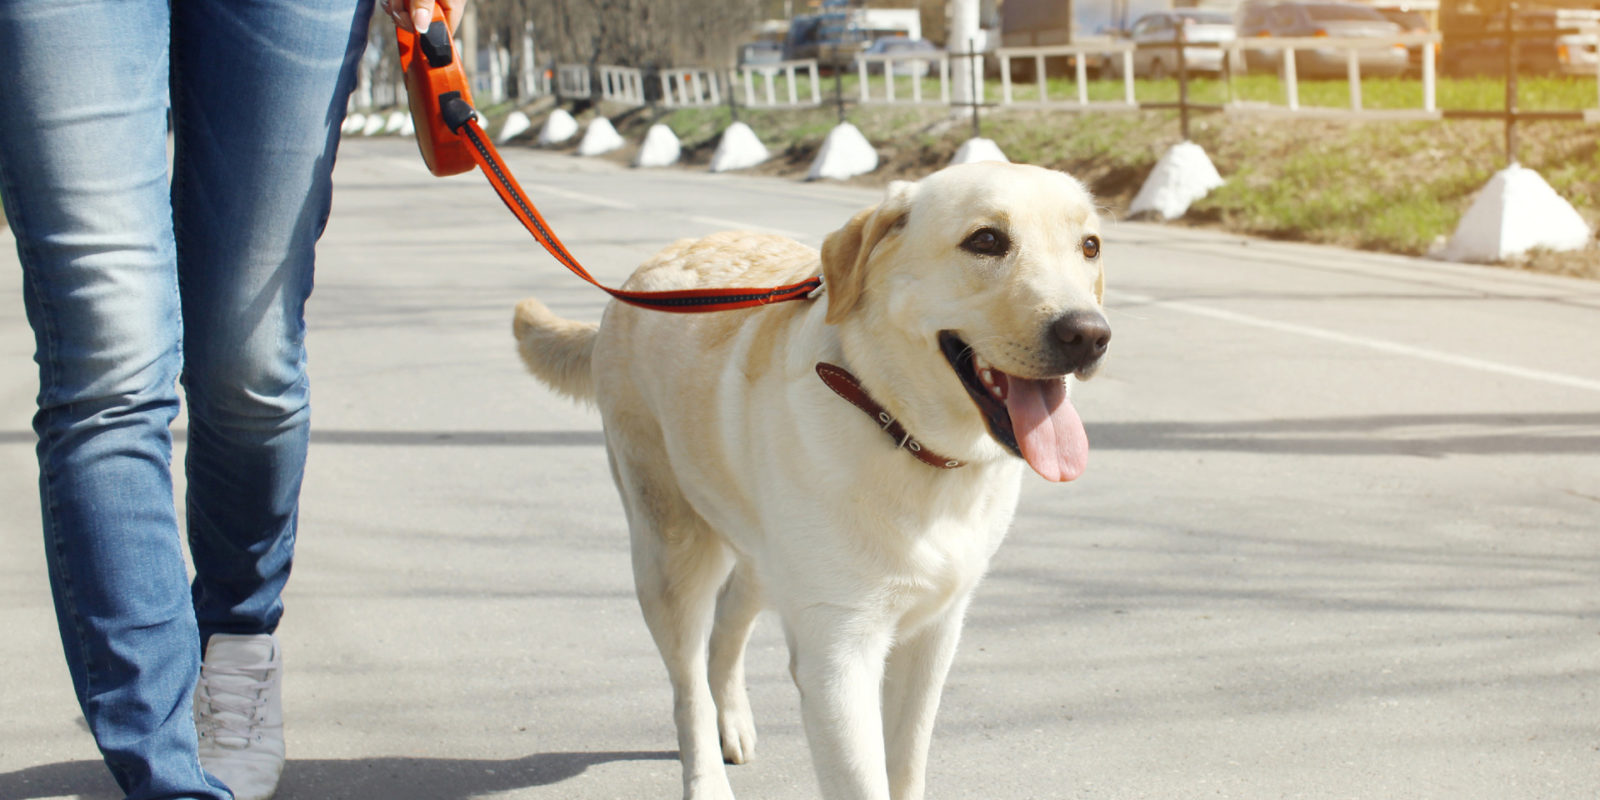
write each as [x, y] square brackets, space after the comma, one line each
[987, 242]
[1091, 247]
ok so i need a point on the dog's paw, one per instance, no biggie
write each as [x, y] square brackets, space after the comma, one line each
[738, 729]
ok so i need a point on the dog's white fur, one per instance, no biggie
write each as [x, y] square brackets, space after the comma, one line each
[748, 483]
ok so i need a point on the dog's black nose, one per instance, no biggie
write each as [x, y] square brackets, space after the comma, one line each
[1084, 336]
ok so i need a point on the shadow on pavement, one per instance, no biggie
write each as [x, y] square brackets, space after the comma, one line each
[375, 438]
[382, 778]
[1426, 435]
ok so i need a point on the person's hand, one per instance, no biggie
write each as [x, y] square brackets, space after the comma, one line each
[414, 15]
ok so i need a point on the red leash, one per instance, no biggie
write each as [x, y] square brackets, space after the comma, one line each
[452, 142]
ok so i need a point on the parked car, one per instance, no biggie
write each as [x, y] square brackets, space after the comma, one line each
[1331, 20]
[900, 47]
[760, 54]
[1410, 21]
[1250, 20]
[831, 38]
[1199, 25]
[1542, 47]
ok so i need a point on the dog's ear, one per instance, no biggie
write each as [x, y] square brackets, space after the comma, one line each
[842, 268]
[846, 251]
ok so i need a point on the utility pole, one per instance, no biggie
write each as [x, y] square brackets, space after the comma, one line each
[469, 41]
[1511, 83]
[961, 34]
[528, 76]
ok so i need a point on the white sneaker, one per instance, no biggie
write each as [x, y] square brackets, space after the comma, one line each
[238, 713]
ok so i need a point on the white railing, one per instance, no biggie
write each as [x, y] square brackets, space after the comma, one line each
[1284, 49]
[884, 79]
[690, 86]
[622, 85]
[786, 74]
[1079, 54]
[915, 68]
[537, 82]
[572, 80]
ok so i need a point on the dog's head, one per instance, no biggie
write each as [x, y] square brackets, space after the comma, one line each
[983, 280]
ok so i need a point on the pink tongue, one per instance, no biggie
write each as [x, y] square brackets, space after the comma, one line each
[1049, 431]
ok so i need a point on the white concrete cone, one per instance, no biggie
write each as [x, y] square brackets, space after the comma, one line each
[844, 154]
[396, 122]
[516, 124]
[1514, 213]
[739, 148]
[1185, 174]
[600, 137]
[976, 149]
[409, 127]
[374, 125]
[660, 148]
[558, 127]
[353, 122]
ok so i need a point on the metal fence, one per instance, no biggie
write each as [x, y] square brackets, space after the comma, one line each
[915, 69]
[893, 79]
[1079, 56]
[906, 79]
[787, 75]
[622, 85]
[690, 86]
[574, 81]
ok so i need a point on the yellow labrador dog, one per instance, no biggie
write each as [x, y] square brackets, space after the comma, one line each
[852, 461]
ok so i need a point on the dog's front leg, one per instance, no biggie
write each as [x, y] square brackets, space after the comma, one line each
[913, 680]
[836, 656]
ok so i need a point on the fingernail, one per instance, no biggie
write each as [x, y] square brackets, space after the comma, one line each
[421, 18]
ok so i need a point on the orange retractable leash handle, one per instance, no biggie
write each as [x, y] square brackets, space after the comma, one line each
[433, 77]
[452, 142]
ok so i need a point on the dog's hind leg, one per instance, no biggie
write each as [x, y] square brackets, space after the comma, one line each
[737, 608]
[678, 565]
[913, 680]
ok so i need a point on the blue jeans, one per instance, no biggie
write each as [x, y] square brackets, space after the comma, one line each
[132, 285]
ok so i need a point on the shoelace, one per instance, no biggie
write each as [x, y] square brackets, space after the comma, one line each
[230, 702]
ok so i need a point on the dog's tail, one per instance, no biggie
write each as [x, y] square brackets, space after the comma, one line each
[557, 351]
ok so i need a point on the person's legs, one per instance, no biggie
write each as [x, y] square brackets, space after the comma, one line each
[84, 176]
[259, 91]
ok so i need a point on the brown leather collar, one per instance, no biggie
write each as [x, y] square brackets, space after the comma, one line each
[847, 386]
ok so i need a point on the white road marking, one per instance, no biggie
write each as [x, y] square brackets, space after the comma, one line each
[714, 222]
[730, 224]
[582, 197]
[1393, 348]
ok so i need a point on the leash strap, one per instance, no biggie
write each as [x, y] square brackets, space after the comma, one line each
[463, 120]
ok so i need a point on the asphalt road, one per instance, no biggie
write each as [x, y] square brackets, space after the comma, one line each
[1339, 537]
